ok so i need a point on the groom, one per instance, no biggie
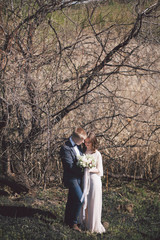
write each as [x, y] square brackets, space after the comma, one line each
[72, 176]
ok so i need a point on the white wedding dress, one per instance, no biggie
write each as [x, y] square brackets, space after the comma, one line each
[92, 194]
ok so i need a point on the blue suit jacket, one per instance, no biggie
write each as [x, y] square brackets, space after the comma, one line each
[69, 161]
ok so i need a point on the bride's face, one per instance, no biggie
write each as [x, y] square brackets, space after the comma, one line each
[88, 144]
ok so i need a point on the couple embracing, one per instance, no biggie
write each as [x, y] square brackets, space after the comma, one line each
[84, 203]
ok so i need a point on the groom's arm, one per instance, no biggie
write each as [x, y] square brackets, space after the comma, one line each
[68, 162]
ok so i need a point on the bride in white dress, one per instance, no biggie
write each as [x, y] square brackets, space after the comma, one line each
[92, 207]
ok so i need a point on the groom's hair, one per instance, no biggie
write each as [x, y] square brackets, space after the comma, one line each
[79, 133]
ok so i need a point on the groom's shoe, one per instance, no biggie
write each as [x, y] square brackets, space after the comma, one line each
[76, 228]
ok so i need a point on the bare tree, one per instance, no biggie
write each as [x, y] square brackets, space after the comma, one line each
[64, 64]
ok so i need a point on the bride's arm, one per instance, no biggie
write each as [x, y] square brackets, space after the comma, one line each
[99, 168]
[94, 170]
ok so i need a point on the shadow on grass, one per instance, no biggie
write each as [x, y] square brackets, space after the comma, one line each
[22, 211]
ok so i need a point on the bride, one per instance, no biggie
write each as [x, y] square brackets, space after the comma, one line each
[92, 207]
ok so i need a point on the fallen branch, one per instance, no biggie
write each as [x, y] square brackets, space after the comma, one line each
[154, 179]
[14, 184]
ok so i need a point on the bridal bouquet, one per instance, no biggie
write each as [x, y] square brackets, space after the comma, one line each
[86, 161]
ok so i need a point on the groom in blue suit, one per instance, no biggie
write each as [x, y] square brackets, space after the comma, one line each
[72, 176]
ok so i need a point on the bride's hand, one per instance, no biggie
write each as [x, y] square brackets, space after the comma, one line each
[93, 170]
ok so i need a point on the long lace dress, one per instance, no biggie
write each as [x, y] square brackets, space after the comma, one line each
[92, 207]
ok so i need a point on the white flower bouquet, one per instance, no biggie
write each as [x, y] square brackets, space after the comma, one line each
[86, 161]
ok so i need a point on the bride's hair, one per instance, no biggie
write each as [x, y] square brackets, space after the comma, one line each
[93, 140]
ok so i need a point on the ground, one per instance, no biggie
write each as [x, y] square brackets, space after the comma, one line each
[131, 210]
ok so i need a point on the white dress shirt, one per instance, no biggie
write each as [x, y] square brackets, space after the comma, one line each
[75, 147]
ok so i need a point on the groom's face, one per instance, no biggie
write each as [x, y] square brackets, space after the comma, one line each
[80, 141]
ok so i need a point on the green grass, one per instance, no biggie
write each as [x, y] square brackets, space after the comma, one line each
[102, 16]
[143, 222]
[140, 221]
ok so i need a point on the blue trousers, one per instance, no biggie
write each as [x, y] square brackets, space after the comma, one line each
[74, 204]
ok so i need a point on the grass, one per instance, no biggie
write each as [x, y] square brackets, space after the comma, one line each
[102, 16]
[135, 213]
[132, 210]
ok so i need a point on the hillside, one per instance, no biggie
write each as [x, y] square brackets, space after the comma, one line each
[131, 210]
